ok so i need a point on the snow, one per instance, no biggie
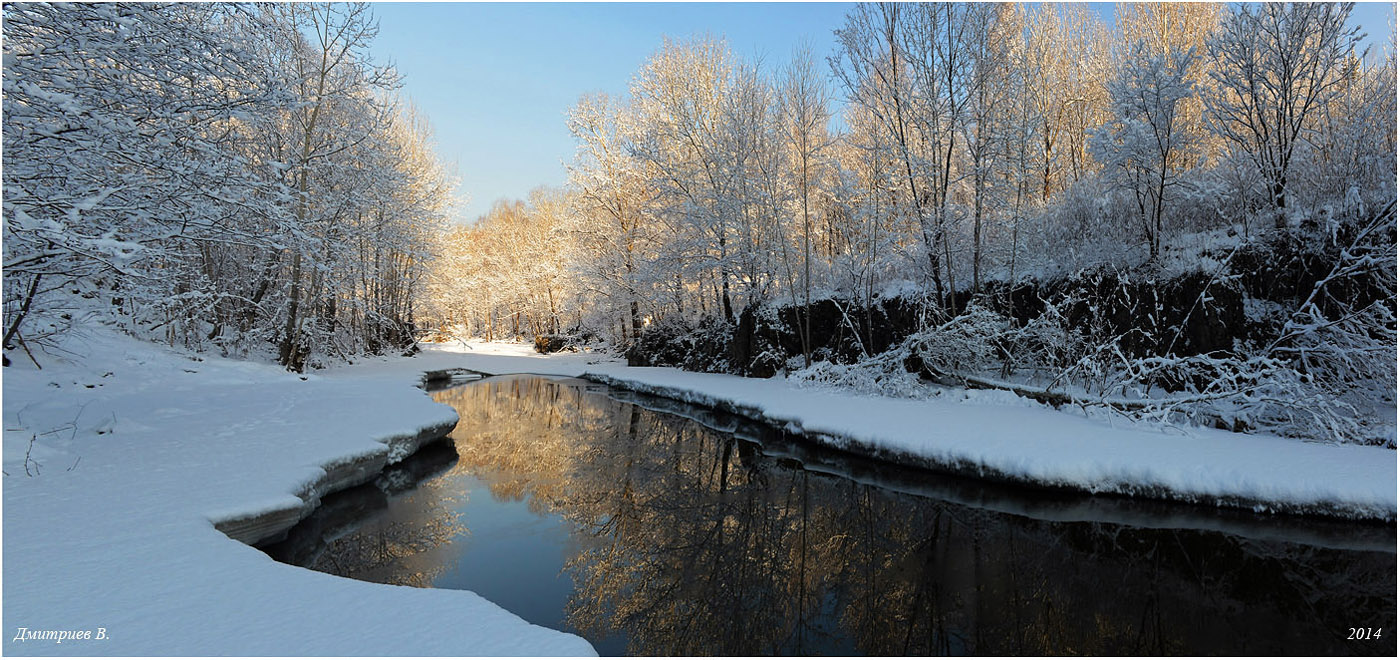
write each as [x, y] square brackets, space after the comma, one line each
[993, 435]
[141, 450]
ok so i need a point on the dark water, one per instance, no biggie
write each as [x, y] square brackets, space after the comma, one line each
[655, 534]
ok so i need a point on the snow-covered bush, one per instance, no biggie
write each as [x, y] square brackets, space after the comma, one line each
[1052, 349]
[965, 344]
[885, 374]
[1247, 393]
[121, 127]
[1326, 369]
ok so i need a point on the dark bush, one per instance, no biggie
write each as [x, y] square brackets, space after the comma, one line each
[551, 343]
[674, 343]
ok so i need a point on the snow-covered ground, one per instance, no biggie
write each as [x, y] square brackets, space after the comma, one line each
[999, 435]
[137, 451]
[140, 450]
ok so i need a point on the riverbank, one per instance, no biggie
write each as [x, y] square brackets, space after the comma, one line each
[141, 455]
[122, 464]
[996, 435]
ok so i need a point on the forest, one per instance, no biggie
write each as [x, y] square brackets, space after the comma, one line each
[1187, 217]
[1190, 217]
[232, 178]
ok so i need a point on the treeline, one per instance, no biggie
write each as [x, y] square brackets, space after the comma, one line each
[507, 274]
[974, 141]
[950, 154]
[232, 177]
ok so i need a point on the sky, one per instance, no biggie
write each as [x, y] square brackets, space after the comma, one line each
[498, 79]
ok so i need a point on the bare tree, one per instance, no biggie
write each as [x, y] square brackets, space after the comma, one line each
[989, 43]
[1277, 66]
[611, 191]
[875, 73]
[805, 117]
[1144, 147]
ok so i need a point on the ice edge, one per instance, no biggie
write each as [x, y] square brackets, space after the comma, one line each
[339, 473]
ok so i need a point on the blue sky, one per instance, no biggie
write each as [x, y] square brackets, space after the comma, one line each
[496, 79]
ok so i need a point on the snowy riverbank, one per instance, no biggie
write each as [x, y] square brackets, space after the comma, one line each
[998, 435]
[140, 451]
[110, 513]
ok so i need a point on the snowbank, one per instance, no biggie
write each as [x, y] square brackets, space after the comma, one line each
[140, 453]
[1016, 441]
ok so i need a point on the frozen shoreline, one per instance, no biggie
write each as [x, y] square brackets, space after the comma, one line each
[1322, 474]
[118, 528]
[340, 473]
[1004, 438]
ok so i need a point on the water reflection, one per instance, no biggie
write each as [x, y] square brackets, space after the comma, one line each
[654, 534]
[368, 534]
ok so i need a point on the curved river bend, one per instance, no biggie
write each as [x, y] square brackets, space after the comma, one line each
[652, 528]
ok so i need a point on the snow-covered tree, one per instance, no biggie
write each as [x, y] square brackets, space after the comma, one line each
[874, 73]
[612, 228]
[1144, 148]
[217, 175]
[124, 132]
[805, 117]
[680, 94]
[1164, 27]
[1277, 66]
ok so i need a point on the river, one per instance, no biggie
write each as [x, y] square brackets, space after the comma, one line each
[653, 528]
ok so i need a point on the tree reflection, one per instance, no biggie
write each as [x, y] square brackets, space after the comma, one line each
[404, 540]
[693, 542]
[412, 554]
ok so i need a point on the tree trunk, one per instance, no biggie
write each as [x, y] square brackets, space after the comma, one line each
[287, 351]
[13, 330]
